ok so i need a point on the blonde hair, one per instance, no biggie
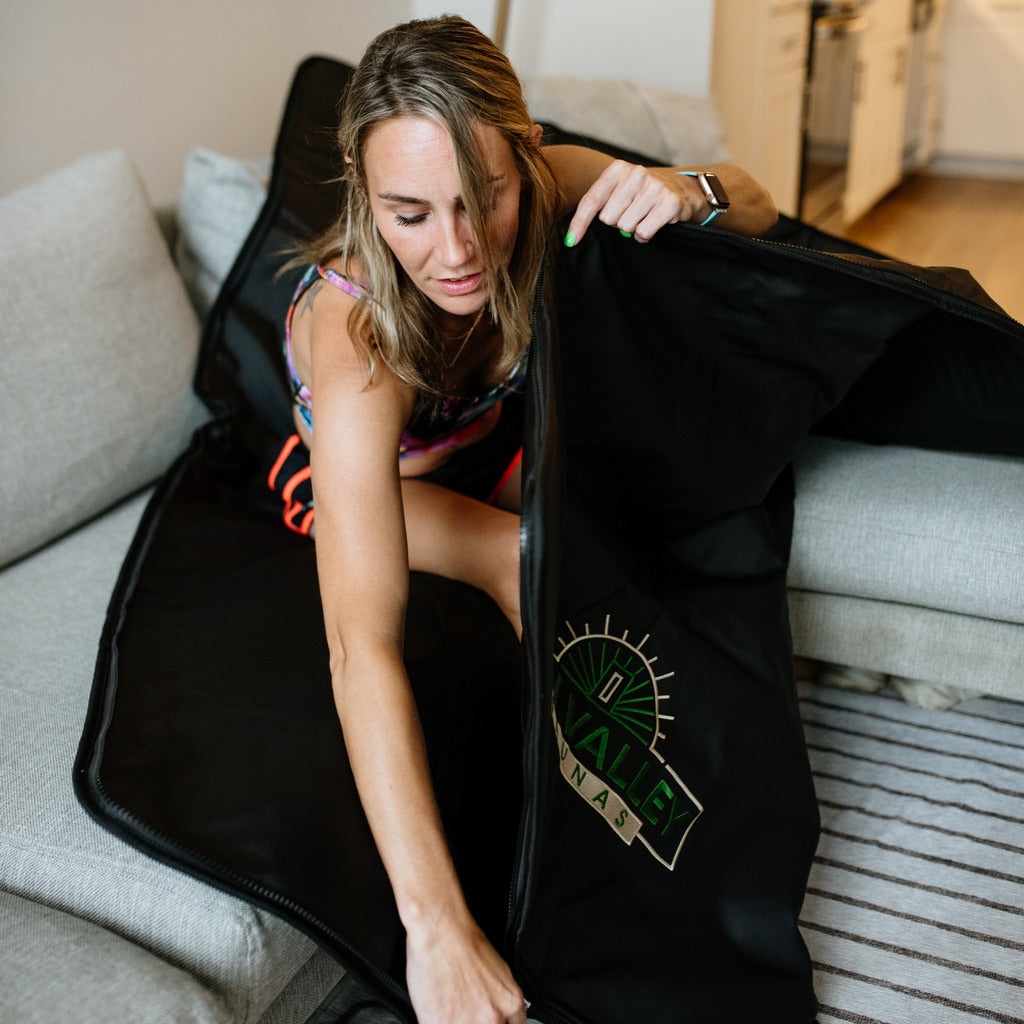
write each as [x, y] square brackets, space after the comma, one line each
[446, 70]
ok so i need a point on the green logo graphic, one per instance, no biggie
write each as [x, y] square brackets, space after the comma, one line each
[607, 709]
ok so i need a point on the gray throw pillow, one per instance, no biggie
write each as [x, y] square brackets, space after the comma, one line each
[98, 343]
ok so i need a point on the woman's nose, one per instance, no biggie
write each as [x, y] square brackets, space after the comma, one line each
[455, 241]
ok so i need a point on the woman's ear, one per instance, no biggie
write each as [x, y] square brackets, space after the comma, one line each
[535, 133]
[351, 177]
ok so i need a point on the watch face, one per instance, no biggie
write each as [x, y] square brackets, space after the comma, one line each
[716, 193]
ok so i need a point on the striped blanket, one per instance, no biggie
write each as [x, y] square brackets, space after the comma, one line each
[915, 908]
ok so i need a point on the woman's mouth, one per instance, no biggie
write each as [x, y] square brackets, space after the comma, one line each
[460, 285]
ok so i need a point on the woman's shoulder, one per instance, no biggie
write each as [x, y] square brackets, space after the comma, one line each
[345, 274]
[320, 320]
[337, 345]
[326, 297]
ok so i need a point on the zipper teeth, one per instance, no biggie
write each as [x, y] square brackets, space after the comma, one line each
[206, 868]
[546, 1014]
[982, 314]
[133, 829]
[540, 1010]
[529, 773]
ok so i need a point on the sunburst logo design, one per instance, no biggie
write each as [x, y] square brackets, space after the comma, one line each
[608, 705]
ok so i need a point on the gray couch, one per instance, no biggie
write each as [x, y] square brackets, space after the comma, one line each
[906, 562]
[99, 340]
[910, 564]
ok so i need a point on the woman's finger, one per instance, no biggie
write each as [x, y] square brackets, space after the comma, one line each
[607, 198]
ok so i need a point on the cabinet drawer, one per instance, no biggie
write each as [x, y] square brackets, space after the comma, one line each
[996, 15]
[888, 14]
[1007, 15]
[788, 36]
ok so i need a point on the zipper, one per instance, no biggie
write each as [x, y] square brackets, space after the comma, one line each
[900, 272]
[515, 895]
[207, 870]
[546, 1014]
[102, 806]
[531, 573]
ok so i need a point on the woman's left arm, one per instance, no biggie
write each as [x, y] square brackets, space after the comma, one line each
[640, 200]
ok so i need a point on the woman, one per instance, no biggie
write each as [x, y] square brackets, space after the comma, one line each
[411, 329]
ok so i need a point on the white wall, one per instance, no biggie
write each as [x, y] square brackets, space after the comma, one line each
[665, 43]
[657, 42]
[481, 12]
[157, 77]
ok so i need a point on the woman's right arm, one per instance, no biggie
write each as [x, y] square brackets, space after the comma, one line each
[454, 974]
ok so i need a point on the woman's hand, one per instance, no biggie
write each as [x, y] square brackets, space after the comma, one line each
[455, 976]
[637, 200]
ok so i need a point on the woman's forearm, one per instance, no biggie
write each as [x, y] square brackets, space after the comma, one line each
[454, 974]
[578, 170]
[389, 762]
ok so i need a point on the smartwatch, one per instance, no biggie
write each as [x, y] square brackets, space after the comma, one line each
[714, 193]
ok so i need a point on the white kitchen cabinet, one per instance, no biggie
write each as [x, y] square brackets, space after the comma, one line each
[983, 116]
[758, 71]
[924, 89]
[878, 117]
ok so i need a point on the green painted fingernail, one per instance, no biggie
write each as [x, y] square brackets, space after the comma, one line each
[570, 240]
[626, 234]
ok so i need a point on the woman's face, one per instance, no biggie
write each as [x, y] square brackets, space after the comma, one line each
[416, 202]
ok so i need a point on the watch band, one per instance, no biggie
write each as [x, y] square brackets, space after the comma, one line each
[718, 203]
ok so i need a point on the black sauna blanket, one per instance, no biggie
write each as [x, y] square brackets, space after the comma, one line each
[627, 796]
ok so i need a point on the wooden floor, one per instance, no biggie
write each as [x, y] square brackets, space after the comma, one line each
[939, 220]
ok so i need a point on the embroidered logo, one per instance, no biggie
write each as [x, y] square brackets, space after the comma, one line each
[607, 710]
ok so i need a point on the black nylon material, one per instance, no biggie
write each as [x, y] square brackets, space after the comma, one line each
[669, 386]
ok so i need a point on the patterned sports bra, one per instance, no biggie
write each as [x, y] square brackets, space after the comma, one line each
[442, 425]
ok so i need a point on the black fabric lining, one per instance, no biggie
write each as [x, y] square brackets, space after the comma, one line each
[686, 541]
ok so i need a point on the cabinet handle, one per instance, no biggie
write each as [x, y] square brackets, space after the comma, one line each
[835, 26]
[901, 66]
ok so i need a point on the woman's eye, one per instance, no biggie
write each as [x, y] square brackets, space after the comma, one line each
[409, 221]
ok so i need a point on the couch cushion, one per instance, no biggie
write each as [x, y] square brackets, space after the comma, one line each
[932, 529]
[57, 967]
[97, 347]
[678, 129]
[907, 640]
[52, 607]
[220, 200]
